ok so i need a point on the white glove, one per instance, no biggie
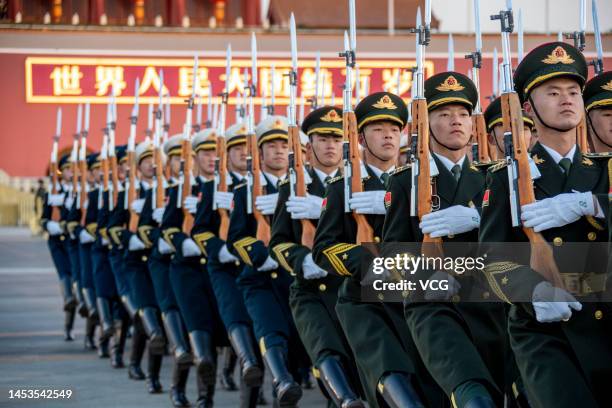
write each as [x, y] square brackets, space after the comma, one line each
[225, 256]
[224, 200]
[266, 204]
[69, 201]
[53, 228]
[311, 270]
[190, 248]
[135, 244]
[268, 265]
[137, 205]
[453, 287]
[163, 247]
[56, 200]
[368, 202]
[308, 207]
[105, 241]
[553, 304]
[85, 237]
[191, 204]
[557, 211]
[158, 214]
[450, 221]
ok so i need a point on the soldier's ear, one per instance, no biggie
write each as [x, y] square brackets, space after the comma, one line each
[527, 108]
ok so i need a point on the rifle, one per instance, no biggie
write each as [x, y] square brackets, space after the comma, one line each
[105, 171]
[158, 177]
[114, 192]
[184, 188]
[480, 144]
[131, 159]
[83, 166]
[597, 63]
[519, 174]
[296, 163]
[53, 169]
[75, 152]
[220, 182]
[350, 147]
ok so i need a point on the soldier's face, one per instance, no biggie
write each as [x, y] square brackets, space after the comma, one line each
[67, 174]
[558, 102]
[327, 149]
[601, 121]
[206, 162]
[498, 133]
[451, 125]
[382, 138]
[175, 164]
[146, 167]
[123, 169]
[274, 154]
[94, 175]
[237, 157]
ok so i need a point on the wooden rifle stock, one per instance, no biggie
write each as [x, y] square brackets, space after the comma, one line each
[186, 190]
[308, 229]
[114, 179]
[365, 232]
[55, 211]
[131, 192]
[263, 226]
[160, 192]
[83, 195]
[479, 134]
[542, 259]
[582, 135]
[222, 186]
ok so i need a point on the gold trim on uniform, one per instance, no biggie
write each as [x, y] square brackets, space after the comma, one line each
[143, 234]
[581, 284]
[440, 101]
[543, 78]
[168, 234]
[498, 268]
[331, 116]
[278, 250]
[332, 255]
[558, 56]
[384, 103]
[450, 84]
[240, 247]
[201, 239]
[115, 234]
[91, 228]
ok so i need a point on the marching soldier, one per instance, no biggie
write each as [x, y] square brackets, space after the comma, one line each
[386, 358]
[461, 343]
[494, 123]
[598, 105]
[313, 293]
[159, 268]
[224, 268]
[58, 243]
[139, 246]
[265, 286]
[559, 334]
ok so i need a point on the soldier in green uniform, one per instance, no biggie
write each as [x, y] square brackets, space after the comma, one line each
[494, 122]
[314, 292]
[560, 335]
[598, 105]
[461, 343]
[386, 357]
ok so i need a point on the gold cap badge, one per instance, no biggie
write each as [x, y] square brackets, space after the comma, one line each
[450, 84]
[331, 116]
[607, 87]
[278, 124]
[385, 103]
[558, 56]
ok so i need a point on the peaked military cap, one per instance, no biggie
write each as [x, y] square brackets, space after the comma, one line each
[381, 106]
[64, 162]
[598, 91]
[143, 150]
[235, 134]
[548, 61]
[204, 140]
[93, 161]
[174, 145]
[121, 153]
[493, 115]
[324, 120]
[272, 128]
[450, 88]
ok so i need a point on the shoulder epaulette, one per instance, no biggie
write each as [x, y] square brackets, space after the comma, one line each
[283, 182]
[486, 164]
[335, 179]
[239, 185]
[498, 166]
[401, 169]
[605, 155]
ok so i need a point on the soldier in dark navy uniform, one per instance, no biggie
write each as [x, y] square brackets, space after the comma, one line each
[598, 105]
[313, 293]
[494, 122]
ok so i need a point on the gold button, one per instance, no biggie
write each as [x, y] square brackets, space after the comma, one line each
[249, 248]
[203, 261]
[592, 236]
[558, 241]
[485, 295]
[62, 237]
[322, 287]
[456, 298]
[598, 314]
[274, 275]
[376, 239]
[144, 258]
[237, 263]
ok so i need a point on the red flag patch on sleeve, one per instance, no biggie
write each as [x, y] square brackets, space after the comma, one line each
[485, 198]
[324, 204]
[387, 199]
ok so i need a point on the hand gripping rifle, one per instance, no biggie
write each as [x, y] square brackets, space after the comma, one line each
[296, 162]
[131, 159]
[519, 174]
[185, 175]
[350, 147]
[53, 168]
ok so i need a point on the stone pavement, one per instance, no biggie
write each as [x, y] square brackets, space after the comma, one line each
[33, 354]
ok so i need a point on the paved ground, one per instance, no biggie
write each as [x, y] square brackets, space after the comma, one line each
[33, 354]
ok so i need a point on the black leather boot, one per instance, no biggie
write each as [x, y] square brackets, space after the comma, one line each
[229, 364]
[107, 322]
[70, 301]
[103, 348]
[81, 306]
[480, 402]
[205, 356]
[154, 367]
[90, 330]
[129, 306]
[398, 392]
[243, 342]
[89, 295]
[139, 343]
[288, 392]
[248, 395]
[119, 343]
[176, 335]
[69, 324]
[179, 382]
[337, 385]
[206, 393]
[150, 323]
